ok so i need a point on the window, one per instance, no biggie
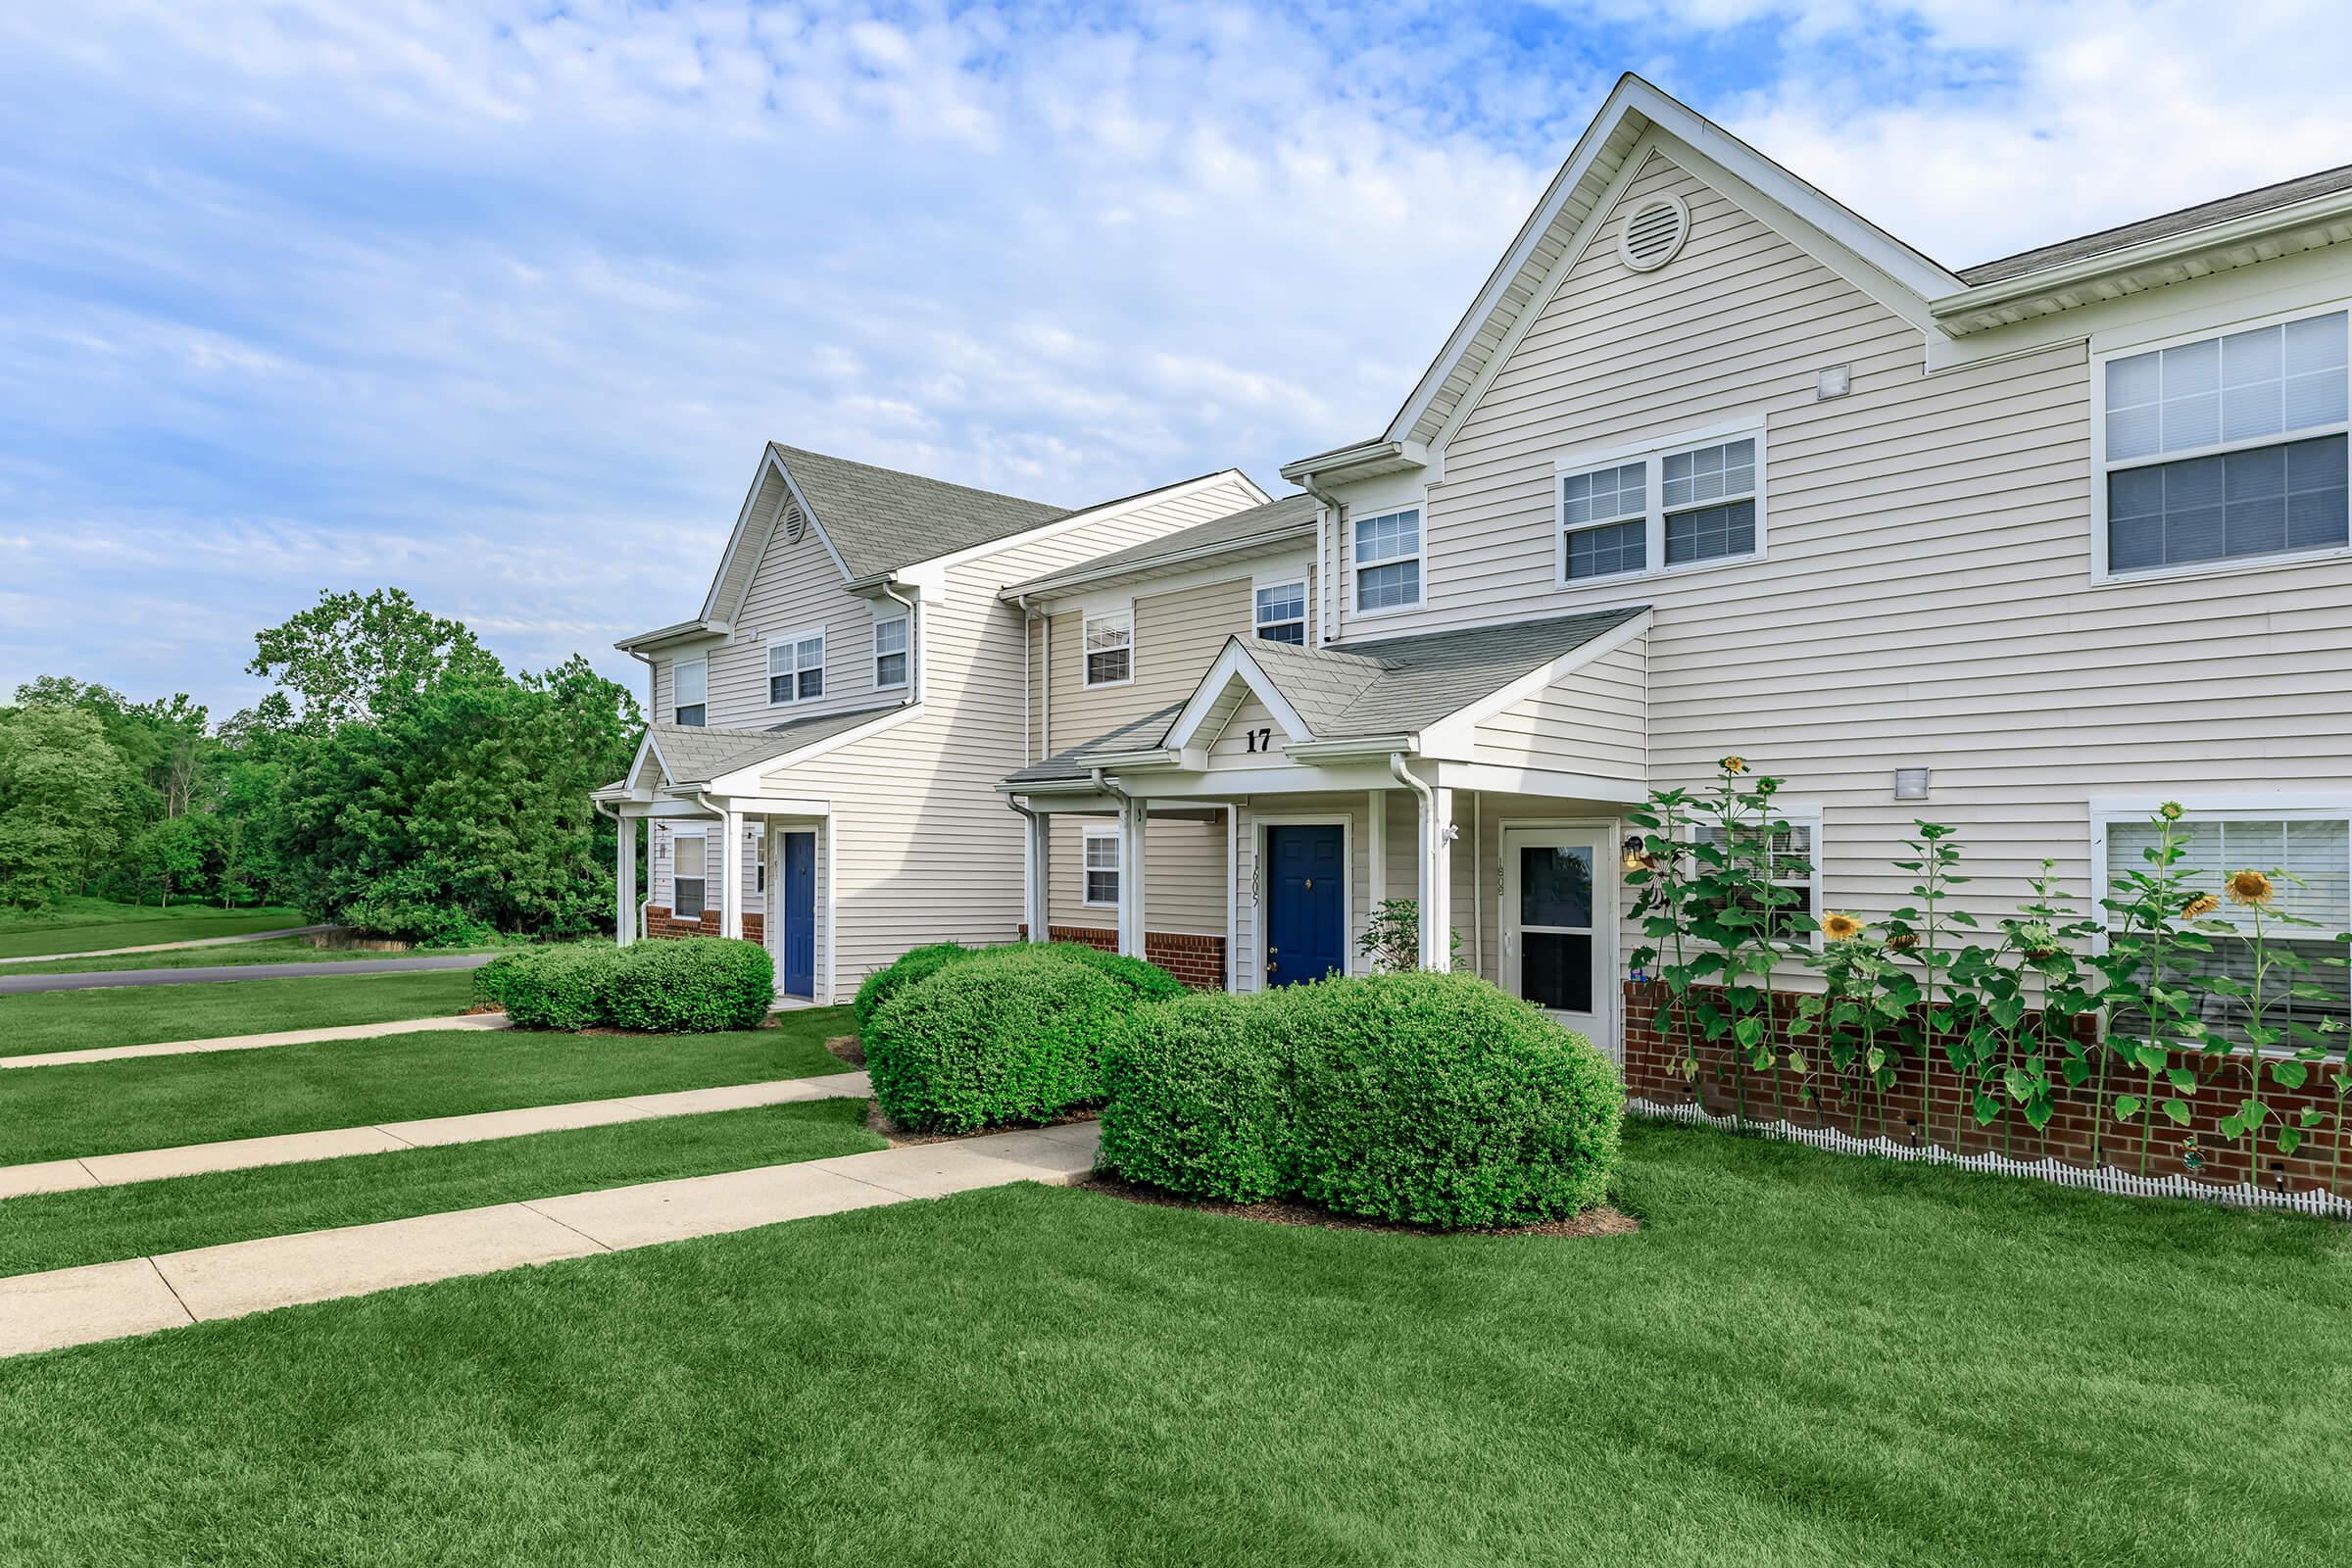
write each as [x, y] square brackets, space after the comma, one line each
[687, 683]
[1101, 865]
[1388, 561]
[795, 666]
[758, 844]
[890, 653]
[1109, 647]
[2313, 851]
[1672, 505]
[1795, 871]
[2228, 448]
[687, 883]
[1282, 613]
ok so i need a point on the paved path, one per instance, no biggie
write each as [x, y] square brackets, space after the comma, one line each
[173, 947]
[286, 1149]
[107, 1301]
[15, 985]
[282, 1036]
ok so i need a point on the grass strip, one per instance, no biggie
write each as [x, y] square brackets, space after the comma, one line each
[91, 1020]
[280, 950]
[89, 925]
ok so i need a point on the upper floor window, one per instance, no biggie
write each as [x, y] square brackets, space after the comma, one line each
[890, 653]
[795, 666]
[1109, 647]
[1282, 613]
[1388, 561]
[689, 681]
[1674, 506]
[2226, 448]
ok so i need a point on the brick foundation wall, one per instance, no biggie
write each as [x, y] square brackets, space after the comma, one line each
[1653, 1057]
[1197, 960]
[659, 922]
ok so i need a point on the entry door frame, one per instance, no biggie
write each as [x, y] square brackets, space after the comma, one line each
[778, 911]
[1607, 914]
[1261, 895]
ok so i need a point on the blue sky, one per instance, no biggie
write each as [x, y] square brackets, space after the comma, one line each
[497, 300]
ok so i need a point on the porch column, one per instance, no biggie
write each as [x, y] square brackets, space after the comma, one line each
[1437, 879]
[730, 874]
[1036, 877]
[1376, 847]
[1133, 817]
[624, 914]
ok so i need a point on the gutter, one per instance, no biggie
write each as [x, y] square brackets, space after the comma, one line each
[915, 646]
[1045, 587]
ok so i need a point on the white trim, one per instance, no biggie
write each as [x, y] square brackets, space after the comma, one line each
[1652, 455]
[1419, 555]
[1233, 897]
[2105, 347]
[1105, 512]
[701, 833]
[1454, 731]
[793, 639]
[902, 615]
[1088, 835]
[1681, 232]
[1223, 566]
[1806, 815]
[1260, 892]
[746, 781]
[1275, 583]
[1086, 653]
[1234, 662]
[1608, 915]
[676, 664]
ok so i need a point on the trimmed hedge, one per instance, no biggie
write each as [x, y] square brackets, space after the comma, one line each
[912, 965]
[1429, 1098]
[1146, 982]
[693, 985]
[1003, 1036]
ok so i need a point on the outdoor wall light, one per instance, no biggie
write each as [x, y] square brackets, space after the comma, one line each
[1637, 859]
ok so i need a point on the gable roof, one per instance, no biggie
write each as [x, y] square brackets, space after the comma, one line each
[1292, 516]
[691, 754]
[1080, 761]
[879, 519]
[2163, 226]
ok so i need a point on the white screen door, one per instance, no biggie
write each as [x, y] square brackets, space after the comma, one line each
[1557, 889]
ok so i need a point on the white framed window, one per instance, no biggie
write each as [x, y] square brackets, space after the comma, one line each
[2220, 449]
[795, 666]
[2304, 849]
[1106, 643]
[1101, 869]
[890, 651]
[1386, 552]
[689, 692]
[1691, 502]
[1795, 865]
[688, 887]
[1281, 612]
[758, 841]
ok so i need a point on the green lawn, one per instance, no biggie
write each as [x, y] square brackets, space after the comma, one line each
[158, 1101]
[278, 949]
[86, 1021]
[60, 1229]
[90, 925]
[1801, 1361]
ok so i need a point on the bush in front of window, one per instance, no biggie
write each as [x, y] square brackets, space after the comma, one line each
[1004, 1037]
[698, 985]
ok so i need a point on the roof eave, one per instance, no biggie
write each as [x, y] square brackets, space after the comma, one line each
[1081, 577]
[1366, 459]
[683, 631]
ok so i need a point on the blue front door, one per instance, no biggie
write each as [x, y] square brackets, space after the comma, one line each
[800, 914]
[1306, 922]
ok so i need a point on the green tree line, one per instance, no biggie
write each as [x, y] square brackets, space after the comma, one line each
[396, 777]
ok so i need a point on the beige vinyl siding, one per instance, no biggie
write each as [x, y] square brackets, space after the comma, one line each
[664, 881]
[1591, 722]
[1184, 876]
[1925, 599]
[925, 847]
[797, 587]
[1231, 748]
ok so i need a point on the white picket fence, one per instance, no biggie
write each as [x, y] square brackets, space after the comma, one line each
[2311, 1202]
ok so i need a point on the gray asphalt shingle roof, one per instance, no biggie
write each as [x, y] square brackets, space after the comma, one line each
[881, 519]
[695, 756]
[1251, 525]
[1389, 687]
[2244, 203]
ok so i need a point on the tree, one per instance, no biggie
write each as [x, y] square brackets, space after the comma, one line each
[358, 657]
[61, 782]
[168, 855]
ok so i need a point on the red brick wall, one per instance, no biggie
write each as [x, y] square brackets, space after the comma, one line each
[1652, 1070]
[659, 922]
[1197, 960]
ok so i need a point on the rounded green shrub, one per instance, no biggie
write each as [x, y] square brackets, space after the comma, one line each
[1195, 1099]
[1147, 982]
[912, 965]
[551, 987]
[693, 985]
[1439, 1100]
[1009, 1035]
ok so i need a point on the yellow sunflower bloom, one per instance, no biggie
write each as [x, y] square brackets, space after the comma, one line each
[2250, 888]
[2196, 908]
[1840, 927]
[1735, 764]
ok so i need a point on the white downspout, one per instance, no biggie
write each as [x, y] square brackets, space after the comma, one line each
[1426, 820]
[1133, 828]
[917, 647]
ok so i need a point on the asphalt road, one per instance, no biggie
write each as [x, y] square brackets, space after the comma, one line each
[23, 984]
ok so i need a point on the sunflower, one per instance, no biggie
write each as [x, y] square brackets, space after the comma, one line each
[2170, 810]
[2196, 908]
[1902, 941]
[1840, 927]
[2250, 888]
[1735, 764]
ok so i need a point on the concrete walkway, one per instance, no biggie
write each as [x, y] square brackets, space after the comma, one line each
[286, 1149]
[282, 1036]
[173, 947]
[23, 984]
[108, 1300]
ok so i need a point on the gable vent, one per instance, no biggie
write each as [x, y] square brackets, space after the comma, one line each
[1654, 233]
[794, 522]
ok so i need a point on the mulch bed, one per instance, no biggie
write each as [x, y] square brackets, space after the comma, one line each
[901, 1138]
[1602, 1221]
[847, 1048]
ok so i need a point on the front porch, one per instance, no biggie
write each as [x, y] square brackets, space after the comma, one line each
[756, 869]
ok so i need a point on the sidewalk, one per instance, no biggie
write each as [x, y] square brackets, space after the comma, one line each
[97, 979]
[108, 1300]
[173, 947]
[283, 1037]
[286, 1149]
